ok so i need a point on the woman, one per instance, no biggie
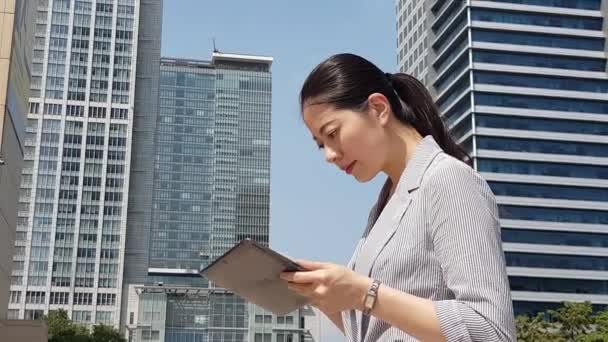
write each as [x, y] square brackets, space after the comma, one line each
[430, 264]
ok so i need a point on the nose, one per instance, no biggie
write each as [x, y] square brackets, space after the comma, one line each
[331, 155]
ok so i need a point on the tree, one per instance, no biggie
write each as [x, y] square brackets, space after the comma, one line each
[62, 329]
[601, 329]
[535, 329]
[106, 333]
[573, 320]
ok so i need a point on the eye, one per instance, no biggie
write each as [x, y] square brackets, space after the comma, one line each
[332, 134]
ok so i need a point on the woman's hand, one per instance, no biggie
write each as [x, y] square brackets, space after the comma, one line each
[332, 288]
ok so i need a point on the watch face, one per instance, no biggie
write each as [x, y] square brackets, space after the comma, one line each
[369, 301]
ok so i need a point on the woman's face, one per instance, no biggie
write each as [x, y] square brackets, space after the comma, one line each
[354, 141]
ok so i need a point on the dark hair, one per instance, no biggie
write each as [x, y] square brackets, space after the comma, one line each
[346, 81]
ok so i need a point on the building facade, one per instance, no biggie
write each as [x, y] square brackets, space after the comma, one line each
[70, 242]
[16, 38]
[523, 85]
[211, 190]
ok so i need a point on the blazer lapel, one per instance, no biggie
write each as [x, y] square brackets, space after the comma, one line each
[385, 220]
[383, 231]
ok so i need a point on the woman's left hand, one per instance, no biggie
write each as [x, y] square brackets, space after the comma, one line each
[332, 288]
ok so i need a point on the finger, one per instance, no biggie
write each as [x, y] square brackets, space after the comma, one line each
[304, 277]
[311, 265]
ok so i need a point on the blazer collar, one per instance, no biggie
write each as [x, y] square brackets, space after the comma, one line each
[424, 153]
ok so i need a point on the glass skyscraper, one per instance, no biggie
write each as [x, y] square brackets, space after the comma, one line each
[523, 85]
[212, 172]
[211, 189]
[69, 247]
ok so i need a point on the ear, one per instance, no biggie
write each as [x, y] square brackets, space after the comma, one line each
[379, 108]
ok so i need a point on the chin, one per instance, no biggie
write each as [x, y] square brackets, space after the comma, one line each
[365, 178]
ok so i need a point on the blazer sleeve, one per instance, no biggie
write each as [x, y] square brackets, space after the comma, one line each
[465, 231]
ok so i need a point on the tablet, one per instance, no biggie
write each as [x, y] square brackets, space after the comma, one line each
[252, 271]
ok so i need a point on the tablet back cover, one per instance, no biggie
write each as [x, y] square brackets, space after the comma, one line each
[253, 274]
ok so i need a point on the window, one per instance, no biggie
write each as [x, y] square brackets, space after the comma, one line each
[553, 214]
[541, 61]
[106, 299]
[104, 317]
[564, 238]
[284, 337]
[543, 146]
[34, 314]
[35, 297]
[549, 191]
[455, 91]
[15, 297]
[580, 4]
[545, 19]
[12, 314]
[262, 337]
[539, 39]
[542, 168]
[59, 298]
[540, 124]
[83, 298]
[544, 82]
[577, 262]
[150, 335]
[81, 316]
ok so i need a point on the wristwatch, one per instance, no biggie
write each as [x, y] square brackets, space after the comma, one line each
[370, 297]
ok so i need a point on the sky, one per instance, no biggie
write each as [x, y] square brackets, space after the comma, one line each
[317, 211]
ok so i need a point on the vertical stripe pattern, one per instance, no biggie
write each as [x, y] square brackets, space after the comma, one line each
[437, 237]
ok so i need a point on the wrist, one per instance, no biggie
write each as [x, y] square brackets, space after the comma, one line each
[363, 287]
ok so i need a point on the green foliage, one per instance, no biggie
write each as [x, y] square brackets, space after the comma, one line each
[62, 329]
[572, 322]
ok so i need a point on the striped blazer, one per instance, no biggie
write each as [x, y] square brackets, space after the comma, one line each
[437, 237]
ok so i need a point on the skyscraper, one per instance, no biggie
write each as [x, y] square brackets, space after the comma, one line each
[212, 172]
[71, 228]
[523, 85]
[16, 39]
[211, 189]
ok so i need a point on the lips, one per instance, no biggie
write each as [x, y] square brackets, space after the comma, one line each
[349, 168]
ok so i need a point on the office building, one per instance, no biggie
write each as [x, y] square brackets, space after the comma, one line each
[72, 220]
[523, 85]
[211, 189]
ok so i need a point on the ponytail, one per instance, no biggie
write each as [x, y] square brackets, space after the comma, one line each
[415, 107]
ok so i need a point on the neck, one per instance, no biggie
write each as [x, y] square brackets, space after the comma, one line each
[404, 142]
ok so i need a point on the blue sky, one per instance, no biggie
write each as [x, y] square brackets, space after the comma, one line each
[317, 211]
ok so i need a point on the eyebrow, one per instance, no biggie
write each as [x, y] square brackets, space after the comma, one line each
[321, 130]
[325, 125]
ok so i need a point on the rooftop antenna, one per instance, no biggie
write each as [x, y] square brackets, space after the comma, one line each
[214, 48]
